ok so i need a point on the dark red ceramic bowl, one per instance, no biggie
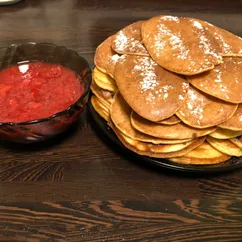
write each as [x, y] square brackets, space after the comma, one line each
[42, 129]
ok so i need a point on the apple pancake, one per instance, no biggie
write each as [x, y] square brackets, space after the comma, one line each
[237, 141]
[220, 133]
[128, 40]
[157, 150]
[225, 146]
[170, 121]
[235, 122]
[103, 80]
[223, 82]
[176, 131]
[100, 108]
[201, 110]
[105, 57]
[204, 154]
[230, 44]
[150, 90]
[120, 115]
[181, 45]
[104, 96]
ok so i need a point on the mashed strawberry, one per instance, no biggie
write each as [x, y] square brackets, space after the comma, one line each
[36, 90]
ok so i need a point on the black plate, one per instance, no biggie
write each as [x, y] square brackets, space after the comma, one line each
[233, 163]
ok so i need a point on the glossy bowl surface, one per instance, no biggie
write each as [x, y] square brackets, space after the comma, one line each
[42, 129]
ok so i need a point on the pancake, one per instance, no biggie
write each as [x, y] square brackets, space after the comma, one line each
[223, 82]
[157, 151]
[150, 90]
[235, 122]
[220, 133]
[128, 40]
[176, 131]
[170, 121]
[225, 146]
[100, 108]
[120, 115]
[200, 110]
[204, 154]
[237, 141]
[103, 80]
[105, 57]
[105, 97]
[230, 44]
[181, 45]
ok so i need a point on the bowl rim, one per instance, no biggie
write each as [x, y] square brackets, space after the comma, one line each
[85, 93]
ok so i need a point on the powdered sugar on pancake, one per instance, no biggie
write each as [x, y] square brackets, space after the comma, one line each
[150, 90]
[223, 82]
[196, 105]
[202, 111]
[178, 50]
[149, 81]
[235, 122]
[128, 40]
[115, 58]
[229, 44]
[170, 18]
[121, 40]
[175, 41]
[177, 44]
[205, 46]
[111, 63]
[146, 68]
[225, 47]
[197, 24]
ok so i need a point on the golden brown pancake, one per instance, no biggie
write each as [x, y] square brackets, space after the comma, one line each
[200, 110]
[120, 115]
[103, 80]
[176, 131]
[170, 121]
[100, 108]
[150, 90]
[220, 133]
[105, 97]
[235, 122]
[128, 40]
[230, 44]
[140, 89]
[181, 45]
[223, 82]
[237, 141]
[225, 146]
[105, 57]
[204, 154]
[158, 151]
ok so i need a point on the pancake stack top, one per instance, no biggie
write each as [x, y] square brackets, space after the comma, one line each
[170, 87]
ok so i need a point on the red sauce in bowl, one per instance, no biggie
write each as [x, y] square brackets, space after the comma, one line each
[36, 90]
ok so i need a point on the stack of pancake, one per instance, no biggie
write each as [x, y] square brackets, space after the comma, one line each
[171, 87]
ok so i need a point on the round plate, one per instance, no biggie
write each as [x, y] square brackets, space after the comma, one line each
[233, 163]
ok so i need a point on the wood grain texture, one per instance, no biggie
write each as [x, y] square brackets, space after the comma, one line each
[79, 186]
[117, 220]
[221, 187]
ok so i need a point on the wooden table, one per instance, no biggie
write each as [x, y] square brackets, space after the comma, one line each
[78, 187]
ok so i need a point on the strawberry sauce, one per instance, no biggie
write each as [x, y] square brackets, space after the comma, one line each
[36, 90]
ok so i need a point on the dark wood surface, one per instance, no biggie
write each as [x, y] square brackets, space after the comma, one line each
[78, 187]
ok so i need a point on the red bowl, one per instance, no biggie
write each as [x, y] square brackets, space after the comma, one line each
[45, 128]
